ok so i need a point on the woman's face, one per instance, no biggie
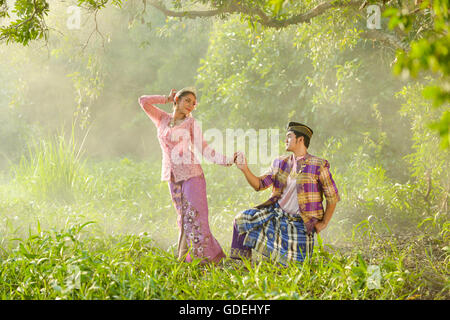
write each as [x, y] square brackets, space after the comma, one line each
[186, 104]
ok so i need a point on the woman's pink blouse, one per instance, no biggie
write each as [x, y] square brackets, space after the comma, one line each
[177, 143]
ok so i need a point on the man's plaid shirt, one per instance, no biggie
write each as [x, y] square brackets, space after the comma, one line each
[313, 182]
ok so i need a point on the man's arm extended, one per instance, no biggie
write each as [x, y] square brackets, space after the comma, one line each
[241, 163]
[251, 178]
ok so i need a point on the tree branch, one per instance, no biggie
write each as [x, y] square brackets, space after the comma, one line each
[273, 22]
[315, 12]
[17, 26]
[377, 35]
[188, 14]
[11, 31]
[94, 30]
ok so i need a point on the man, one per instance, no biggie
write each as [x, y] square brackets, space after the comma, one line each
[283, 227]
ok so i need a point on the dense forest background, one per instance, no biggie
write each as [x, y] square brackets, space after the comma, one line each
[76, 146]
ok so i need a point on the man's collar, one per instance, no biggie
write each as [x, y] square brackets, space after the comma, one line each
[294, 157]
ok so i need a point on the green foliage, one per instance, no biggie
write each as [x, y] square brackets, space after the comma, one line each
[14, 133]
[31, 18]
[391, 175]
[331, 84]
[428, 164]
[123, 256]
[14, 130]
[51, 169]
[3, 9]
[276, 76]
[430, 53]
[88, 85]
[372, 190]
[76, 80]
[30, 24]
[71, 263]
[241, 70]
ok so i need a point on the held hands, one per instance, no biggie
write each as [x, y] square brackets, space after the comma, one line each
[240, 160]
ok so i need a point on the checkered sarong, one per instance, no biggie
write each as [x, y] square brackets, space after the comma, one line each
[275, 234]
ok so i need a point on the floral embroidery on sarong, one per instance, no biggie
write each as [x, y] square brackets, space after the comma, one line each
[188, 220]
[191, 225]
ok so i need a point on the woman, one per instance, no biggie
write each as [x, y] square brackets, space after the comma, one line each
[178, 134]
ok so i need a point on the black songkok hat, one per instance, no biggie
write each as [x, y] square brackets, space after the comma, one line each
[299, 127]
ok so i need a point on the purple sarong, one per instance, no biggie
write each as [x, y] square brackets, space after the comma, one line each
[195, 239]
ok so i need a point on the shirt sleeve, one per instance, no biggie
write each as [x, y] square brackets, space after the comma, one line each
[327, 184]
[268, 178]
[154, 113]
[206, 150]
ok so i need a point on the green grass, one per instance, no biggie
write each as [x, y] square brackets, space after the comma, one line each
[112, 235]
[74, 263]
[51, 169]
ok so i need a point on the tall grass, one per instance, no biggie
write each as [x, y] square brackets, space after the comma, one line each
[53, 250]
[51, 169]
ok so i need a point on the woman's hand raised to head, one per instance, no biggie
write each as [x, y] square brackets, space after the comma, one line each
[171, 95]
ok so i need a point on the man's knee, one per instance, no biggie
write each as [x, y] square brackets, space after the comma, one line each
[237, 217]
[235, 223]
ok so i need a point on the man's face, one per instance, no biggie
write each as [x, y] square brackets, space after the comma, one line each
[291, 141]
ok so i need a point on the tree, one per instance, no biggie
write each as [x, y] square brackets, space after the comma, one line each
[31, 25]
[428, 53]
[418, 29]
